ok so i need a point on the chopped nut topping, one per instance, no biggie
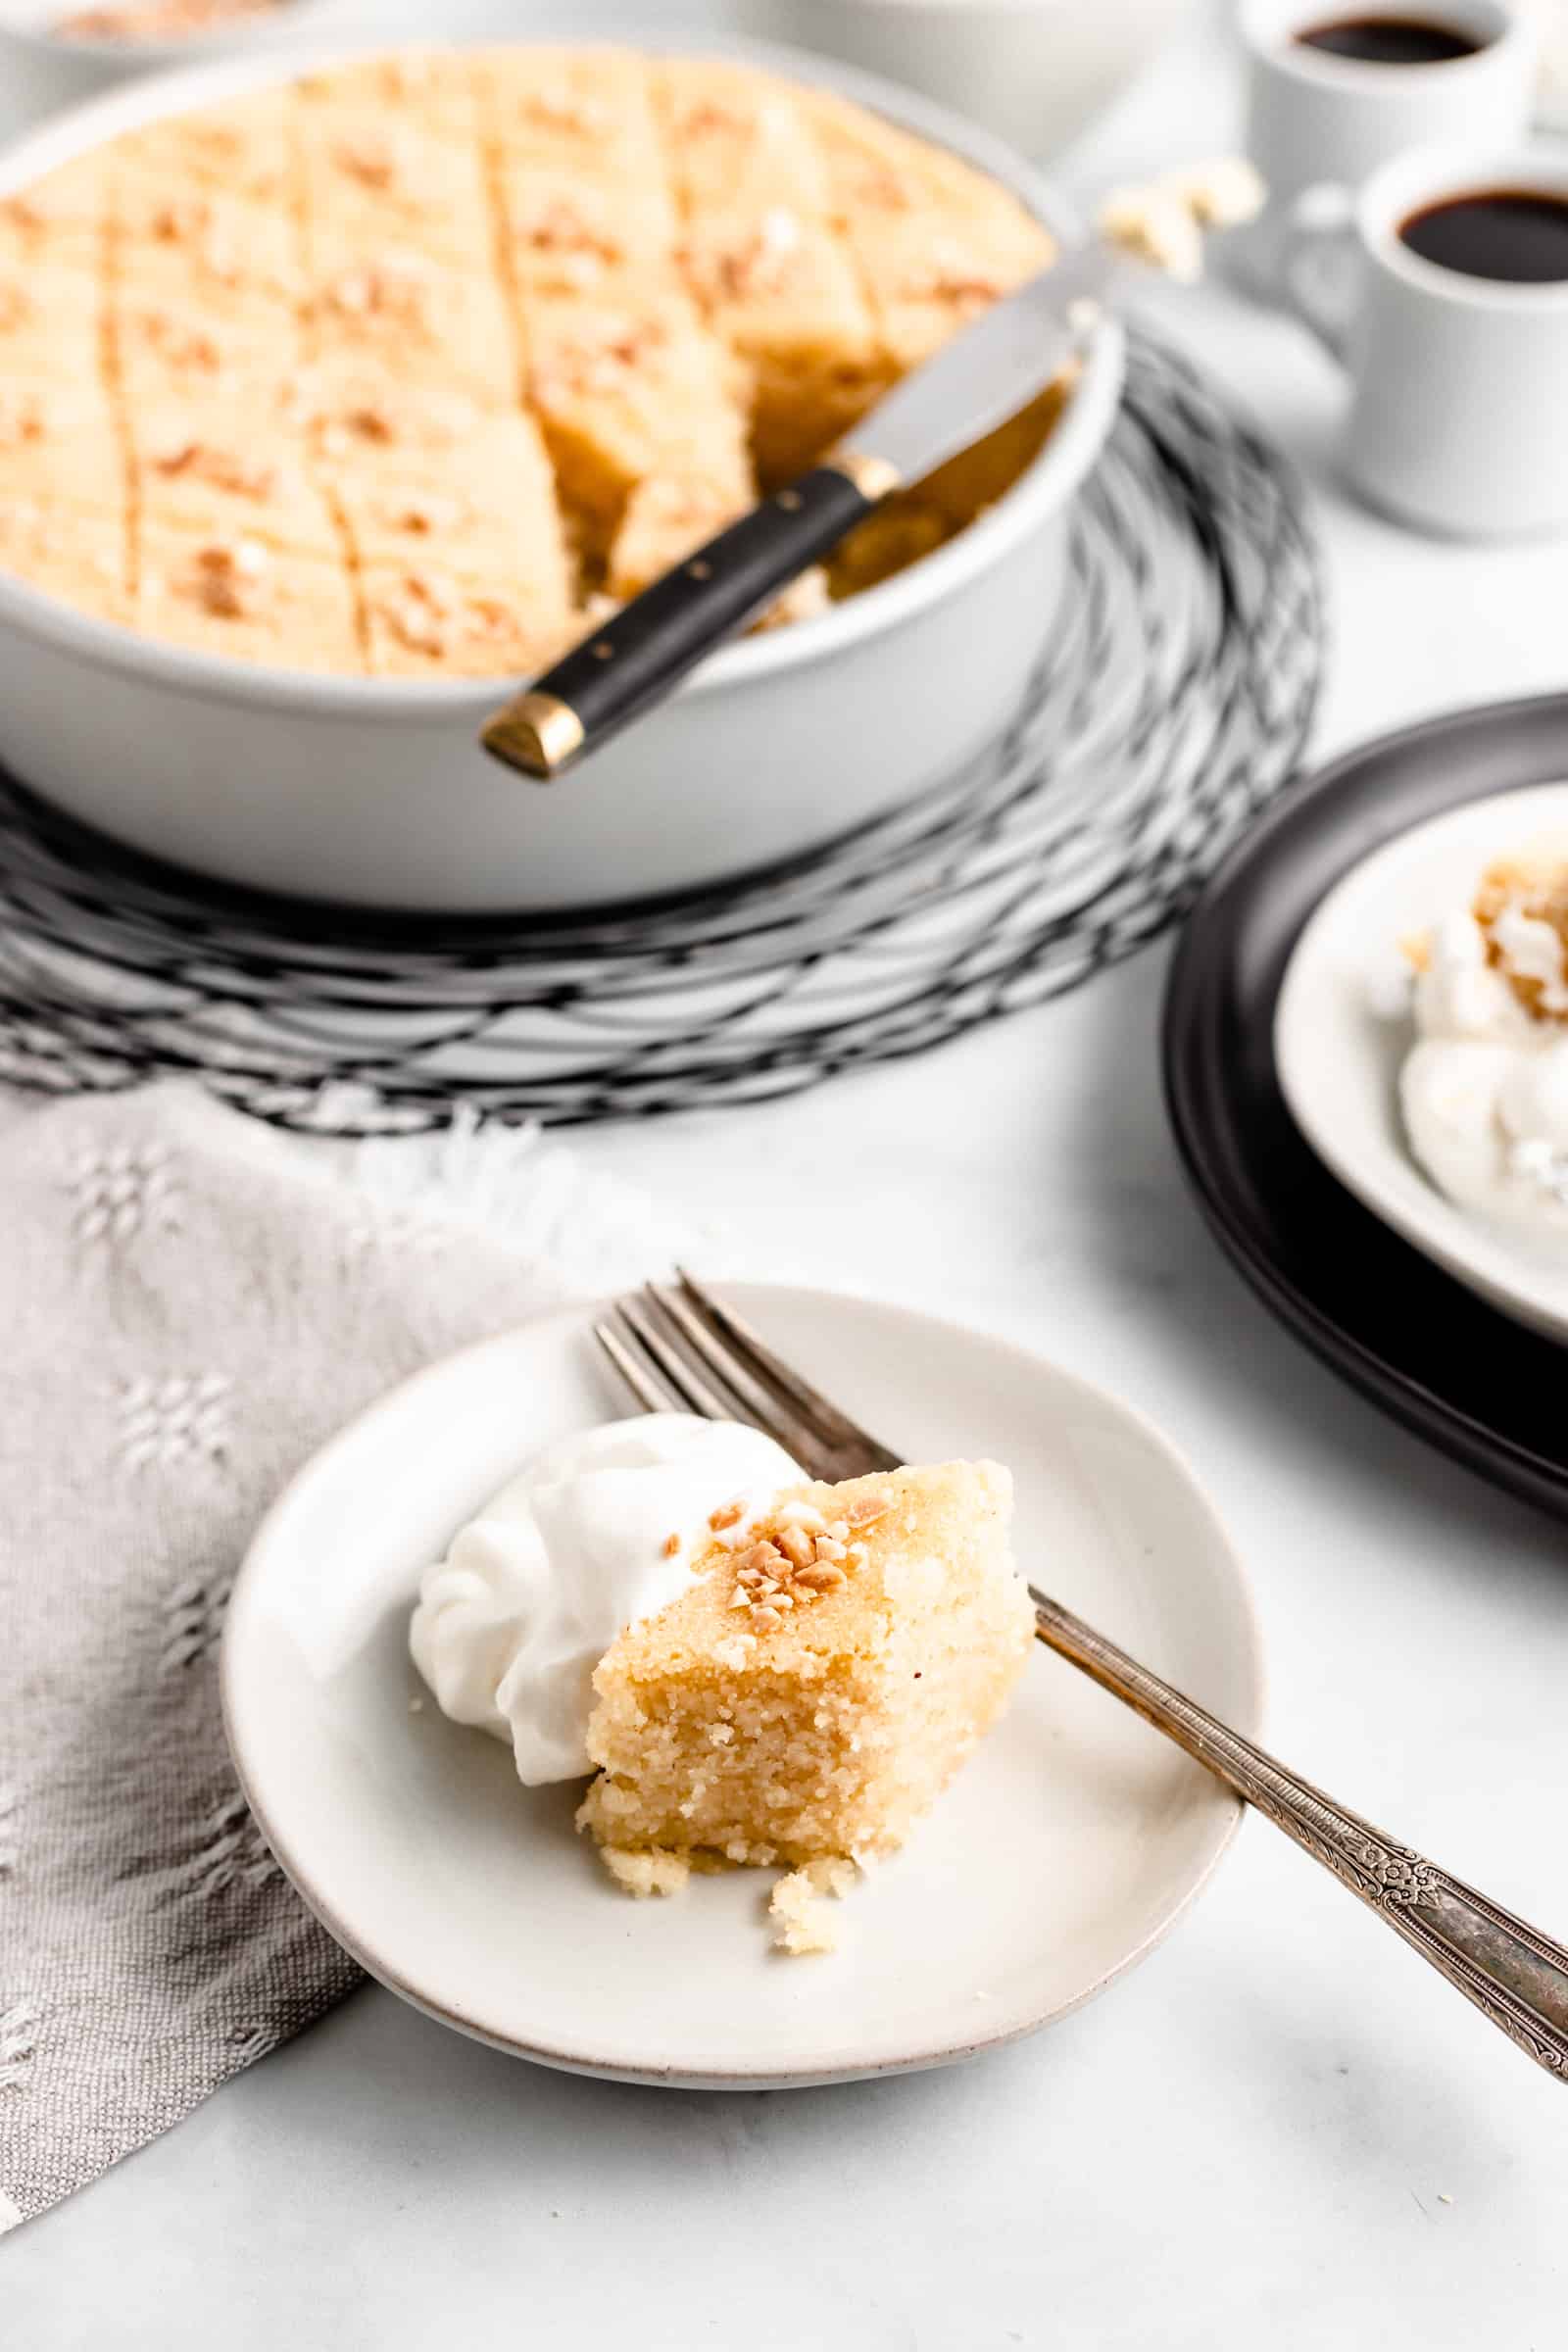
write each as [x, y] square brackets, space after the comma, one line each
[371, 423]
[882, 190]
[558, 227]
[792, 1569]
[180, 220]
[226, 577]
[563, 109]
[951, 276]
[418, 614]
[597, 361]
[426, 511]
[182, 345]
[16, 306]
[796, 1546]
[760, 263]
[865, 1512]
[427, 614]
[419, 422]
[768, 1616]
[702, 121]
[396, 289]
[155, 20]
[27, 210]
[22, 419]
[369, 158]
[224, 468]
[725, 1516]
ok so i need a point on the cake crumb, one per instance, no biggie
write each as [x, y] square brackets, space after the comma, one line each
[798, 1909]
[652, 1871]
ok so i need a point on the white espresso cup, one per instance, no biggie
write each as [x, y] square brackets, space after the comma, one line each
[1458, 416]
[1315, 117]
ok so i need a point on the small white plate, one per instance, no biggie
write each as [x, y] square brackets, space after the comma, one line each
[1067, 1847]
[1339, 1062]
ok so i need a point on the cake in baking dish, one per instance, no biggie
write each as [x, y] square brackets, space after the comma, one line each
[814, 1691]
[404, 368]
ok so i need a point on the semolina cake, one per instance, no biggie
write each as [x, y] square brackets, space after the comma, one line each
[776, 280]
[812, 1694]
[408, 366]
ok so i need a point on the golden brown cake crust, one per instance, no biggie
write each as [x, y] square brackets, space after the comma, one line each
[639, 290]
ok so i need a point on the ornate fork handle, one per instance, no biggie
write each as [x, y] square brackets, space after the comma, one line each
[1513, 1974]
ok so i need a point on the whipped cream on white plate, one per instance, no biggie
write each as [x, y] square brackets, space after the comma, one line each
[601, 1530]
[1441, 1102]
[1485, 1088]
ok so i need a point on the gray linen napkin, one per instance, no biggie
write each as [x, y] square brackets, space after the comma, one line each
[191, 1304]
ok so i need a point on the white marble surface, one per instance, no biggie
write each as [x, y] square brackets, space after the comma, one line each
[1281, 2128]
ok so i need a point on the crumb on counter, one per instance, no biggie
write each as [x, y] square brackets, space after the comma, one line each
[1163, 222]
[798, 1907]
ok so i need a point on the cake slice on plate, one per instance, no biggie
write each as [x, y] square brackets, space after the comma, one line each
[809, 1697]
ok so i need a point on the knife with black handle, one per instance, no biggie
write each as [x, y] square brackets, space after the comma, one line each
[975, 382]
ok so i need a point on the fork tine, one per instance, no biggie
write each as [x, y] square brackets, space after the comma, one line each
[757, 1404]
[730, 1332]
[697, 1394]
[649, 1396]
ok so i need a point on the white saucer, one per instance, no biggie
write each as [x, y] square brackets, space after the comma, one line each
[1339, 1062]
[1067, 1846]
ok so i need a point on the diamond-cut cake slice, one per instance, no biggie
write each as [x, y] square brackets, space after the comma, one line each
[821, 1684]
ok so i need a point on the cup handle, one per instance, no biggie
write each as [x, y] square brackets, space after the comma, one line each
[1317, 265]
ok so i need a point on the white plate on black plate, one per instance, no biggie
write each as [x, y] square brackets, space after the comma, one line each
[1339, 1057]
[1367, 1298]
[1067, 1847]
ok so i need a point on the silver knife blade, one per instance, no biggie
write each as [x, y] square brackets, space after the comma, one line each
[989, 371]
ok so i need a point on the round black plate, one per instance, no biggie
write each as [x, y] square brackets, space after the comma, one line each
[1408, 1335]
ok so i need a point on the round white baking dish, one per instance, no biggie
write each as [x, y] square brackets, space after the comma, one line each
[379, 793]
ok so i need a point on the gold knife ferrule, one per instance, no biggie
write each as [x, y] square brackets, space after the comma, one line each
[874, 478]
[536, 733]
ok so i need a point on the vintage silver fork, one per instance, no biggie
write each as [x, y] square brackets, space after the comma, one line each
[679, 1349]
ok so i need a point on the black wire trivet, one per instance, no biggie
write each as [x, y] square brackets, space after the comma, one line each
[1173, 698]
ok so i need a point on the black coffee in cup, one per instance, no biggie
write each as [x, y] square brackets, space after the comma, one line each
[1517, 235]
[1378, 40]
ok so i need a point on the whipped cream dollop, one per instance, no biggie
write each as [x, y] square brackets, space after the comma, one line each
[602, 1529]
[1485, 1088]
